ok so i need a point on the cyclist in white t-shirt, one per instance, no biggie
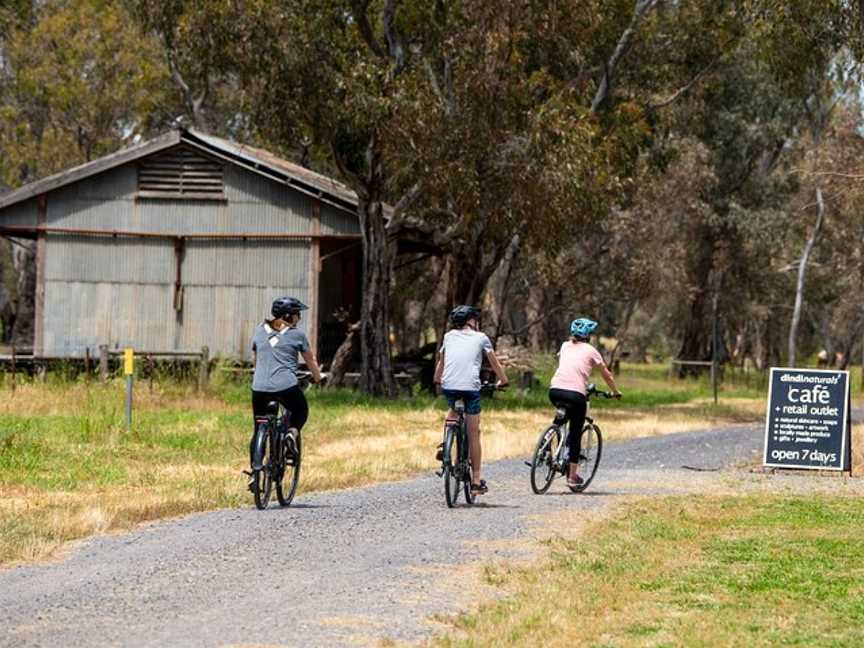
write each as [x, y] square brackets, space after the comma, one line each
[458, 373]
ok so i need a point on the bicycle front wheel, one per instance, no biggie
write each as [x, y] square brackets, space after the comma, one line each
[450, 472]
[465, 466]
[262, 481]
[286, 486]
[589, 460]
[543, 462]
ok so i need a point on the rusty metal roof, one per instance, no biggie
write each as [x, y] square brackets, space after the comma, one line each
[254, 159]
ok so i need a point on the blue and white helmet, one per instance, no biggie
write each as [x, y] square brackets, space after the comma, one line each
[582, 327]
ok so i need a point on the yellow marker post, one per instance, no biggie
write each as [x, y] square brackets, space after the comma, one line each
[129, 370]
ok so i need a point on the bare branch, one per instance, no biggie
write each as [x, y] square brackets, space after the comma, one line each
[353, 179]
[680, 92]
[359, 10]
[802, 269]
[395, 43]
[624, 42]
[195, 103]
[837, 174]
[407, 200]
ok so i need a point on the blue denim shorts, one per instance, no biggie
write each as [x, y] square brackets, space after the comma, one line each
[471, 398]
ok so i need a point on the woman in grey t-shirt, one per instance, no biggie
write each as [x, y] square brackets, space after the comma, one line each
[276, 344]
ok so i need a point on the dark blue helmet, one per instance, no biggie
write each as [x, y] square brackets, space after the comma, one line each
[287, 306]
[461, 314]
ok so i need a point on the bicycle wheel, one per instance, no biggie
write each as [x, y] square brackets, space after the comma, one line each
[465, 466]
[592, 449]
[286, 486]
[450, 472]
[262, 479]
[543, 462]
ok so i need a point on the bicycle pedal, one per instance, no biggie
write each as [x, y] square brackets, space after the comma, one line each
[528, 463]
[440, 473]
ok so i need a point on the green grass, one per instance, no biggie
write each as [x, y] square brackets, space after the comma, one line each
[731, 571]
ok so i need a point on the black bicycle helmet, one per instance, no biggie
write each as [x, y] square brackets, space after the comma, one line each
[287, 306]
[461, 314]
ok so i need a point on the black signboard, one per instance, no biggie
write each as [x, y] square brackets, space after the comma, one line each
[808, 419]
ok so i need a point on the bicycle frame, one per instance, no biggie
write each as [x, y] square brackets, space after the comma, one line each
[275, 421]
[562, 458]
[462, 440]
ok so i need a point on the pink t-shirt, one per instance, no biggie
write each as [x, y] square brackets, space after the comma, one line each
[575, 362]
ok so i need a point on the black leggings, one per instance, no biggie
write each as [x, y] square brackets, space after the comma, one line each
[576, 406]
[293, 399]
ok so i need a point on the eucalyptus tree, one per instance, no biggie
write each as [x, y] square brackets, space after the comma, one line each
[326, 75]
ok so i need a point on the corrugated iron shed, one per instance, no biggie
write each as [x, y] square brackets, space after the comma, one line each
[143, 248]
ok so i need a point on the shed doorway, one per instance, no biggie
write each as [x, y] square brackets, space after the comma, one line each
[339, 293]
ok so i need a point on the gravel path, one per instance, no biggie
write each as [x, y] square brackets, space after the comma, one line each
[335, 569]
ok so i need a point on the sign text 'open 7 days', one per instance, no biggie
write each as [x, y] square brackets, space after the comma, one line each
[808, 419]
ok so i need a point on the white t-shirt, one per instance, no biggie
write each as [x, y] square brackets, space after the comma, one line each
[463, 356]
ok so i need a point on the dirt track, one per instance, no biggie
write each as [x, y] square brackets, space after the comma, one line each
[335, 569]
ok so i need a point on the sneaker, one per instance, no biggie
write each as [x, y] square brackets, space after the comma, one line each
[290, 440]
[575, 483]
[481, 488]
[251, 483]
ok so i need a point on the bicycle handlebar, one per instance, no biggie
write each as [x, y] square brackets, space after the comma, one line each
[593, 391]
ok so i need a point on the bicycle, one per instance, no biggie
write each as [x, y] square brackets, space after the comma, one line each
[456, 467]
[277, 454]
[551, 454]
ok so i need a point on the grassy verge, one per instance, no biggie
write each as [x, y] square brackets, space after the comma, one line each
[731, 571]
[69, 468]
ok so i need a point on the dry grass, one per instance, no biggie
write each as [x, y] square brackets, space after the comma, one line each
[858, 450]
[69, 468]
[81, 398]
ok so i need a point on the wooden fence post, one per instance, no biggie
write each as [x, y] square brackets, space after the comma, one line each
[204, 368]
[87, 365]
[103, 362]
[13, 368]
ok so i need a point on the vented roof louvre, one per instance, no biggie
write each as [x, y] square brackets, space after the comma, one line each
[180, 173]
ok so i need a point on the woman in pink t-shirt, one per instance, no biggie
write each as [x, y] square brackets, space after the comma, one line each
[569, 386]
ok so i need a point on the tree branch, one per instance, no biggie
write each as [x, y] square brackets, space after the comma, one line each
[395, 42]
[359, 10]
[675, 96]
[352, 178]
[624, 42]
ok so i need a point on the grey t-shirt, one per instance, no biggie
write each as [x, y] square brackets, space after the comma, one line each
[276, 357]
[463, 356]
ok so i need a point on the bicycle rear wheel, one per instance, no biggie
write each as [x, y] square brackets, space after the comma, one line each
[286, 486]
[450, 472]
[262, 481]
[592, 450]
[543, 462]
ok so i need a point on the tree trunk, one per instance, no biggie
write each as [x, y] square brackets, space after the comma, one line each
[802, 271]
[498, 287]
[696, 342]
[620, 336]
[376, 377]
[342, 360]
